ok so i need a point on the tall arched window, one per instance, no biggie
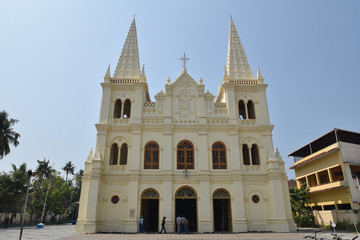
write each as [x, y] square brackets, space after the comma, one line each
[242, 110]
[117, 109]
[251, 109]
[114, 154]
[246, 156]
[123, 154]
[127, 108]
[219, 155]
[151, 156]
[255, 155]
[185, 155]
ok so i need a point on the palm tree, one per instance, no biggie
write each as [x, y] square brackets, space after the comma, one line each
[7, 135]
[69, 168]
[43, 170]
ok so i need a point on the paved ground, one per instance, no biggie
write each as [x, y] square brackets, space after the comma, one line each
[67, 232]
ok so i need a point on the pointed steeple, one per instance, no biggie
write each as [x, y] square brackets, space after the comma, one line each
[108, 74]
[143, 70]
[259, 75]
[128, 65]
[237, 66]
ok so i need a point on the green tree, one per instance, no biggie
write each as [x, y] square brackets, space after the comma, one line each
[7, 135]
[13, 189]
[303, 216]
[68, 168]
[59, 196]
[43, 170]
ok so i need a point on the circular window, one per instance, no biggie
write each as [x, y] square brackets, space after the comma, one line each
[255, 199]
[115, 199]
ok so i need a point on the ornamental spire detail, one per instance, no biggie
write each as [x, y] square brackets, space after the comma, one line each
[128, 65]
[237, 65]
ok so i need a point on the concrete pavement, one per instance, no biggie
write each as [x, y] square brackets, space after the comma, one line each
[67, 232]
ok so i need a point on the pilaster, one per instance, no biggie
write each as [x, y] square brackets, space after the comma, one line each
[105, 103]
[205, 208]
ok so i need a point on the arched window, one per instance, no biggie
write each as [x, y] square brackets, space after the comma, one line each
[114, 154]
[242, 110]
[123, 154]
[151, 156]
[117, 109]
[127, 108]
[219, 155]
[246, 156]
[255, 155]
[185, 155]
[251, 109]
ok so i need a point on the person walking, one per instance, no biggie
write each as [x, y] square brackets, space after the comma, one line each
[178, 221]
[141, 223]
[7, 219]
[163, 225]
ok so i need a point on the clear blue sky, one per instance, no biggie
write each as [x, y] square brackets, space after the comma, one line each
[54, 54]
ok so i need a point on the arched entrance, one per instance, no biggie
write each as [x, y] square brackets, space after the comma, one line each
[222, 211]
[185, 205]
[150, 210]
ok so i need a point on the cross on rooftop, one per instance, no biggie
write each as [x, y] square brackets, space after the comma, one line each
[184, 59]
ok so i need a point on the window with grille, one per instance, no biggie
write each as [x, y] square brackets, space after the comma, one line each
[219, 155]
[185, 155]
[151, 156]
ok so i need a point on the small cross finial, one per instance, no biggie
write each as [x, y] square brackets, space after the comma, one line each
[184, 59]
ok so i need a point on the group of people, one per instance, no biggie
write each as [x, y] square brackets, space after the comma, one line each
[142, 227]
[182, 225]
[181, 222]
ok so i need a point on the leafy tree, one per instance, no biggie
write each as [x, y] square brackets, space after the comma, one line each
[13, 190]
[7, 135]
[68, 168]
[303, 216]
[43, 170]
[59, 196]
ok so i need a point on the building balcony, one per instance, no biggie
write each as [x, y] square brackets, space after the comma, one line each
[327, 186]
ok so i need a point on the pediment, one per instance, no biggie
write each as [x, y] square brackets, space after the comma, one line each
[185, 81]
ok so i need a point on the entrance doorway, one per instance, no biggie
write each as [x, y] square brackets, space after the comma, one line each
[186, 206]
[150, 210]
[222, 211]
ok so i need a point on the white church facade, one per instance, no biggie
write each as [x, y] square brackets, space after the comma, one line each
[189, 153]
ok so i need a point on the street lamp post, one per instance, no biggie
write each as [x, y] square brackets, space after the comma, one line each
[26, 199]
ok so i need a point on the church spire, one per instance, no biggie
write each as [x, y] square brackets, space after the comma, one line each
[237, 66]
[128, 65]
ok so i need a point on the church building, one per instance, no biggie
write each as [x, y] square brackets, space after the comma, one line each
[188, 153]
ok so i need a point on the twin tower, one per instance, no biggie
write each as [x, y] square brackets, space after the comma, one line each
[188, 153]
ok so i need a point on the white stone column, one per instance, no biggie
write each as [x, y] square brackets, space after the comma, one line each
[136, 147]
[202, 159]
[231, 101]
[167, 157]
[238, 208]
[233, 161]
[166, 209]
[89, 200]
[277, 221]
[133, 204]
[204, 207]
[105, 103]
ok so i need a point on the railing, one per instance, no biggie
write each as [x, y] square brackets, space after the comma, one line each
[244, 82]
[124, 80]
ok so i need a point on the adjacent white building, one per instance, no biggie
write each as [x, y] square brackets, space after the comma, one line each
[208, 158]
